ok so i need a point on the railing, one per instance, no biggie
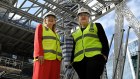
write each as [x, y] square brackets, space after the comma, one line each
[14, 69]
[9, 62]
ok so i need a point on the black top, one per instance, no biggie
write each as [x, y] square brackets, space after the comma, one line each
[102, 38]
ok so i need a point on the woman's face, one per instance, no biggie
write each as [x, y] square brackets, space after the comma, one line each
[50, 20]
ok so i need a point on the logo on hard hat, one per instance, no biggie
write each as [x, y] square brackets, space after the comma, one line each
[50, 13]
[82, 9]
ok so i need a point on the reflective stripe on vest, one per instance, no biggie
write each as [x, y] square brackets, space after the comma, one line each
[86, 35]
[50, 37]
[54, 52]
[87, 42]
[87, 50]
[51, 45]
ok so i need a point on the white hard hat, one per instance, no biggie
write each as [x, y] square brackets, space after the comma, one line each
[83, 10]
[50, 13]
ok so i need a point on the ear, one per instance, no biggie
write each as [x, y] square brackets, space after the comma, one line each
[55, 21]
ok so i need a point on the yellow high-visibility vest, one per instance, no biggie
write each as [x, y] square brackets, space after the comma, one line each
[87, 42]
[51, 44]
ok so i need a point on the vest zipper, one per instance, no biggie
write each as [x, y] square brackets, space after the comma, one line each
[83, 42]
[56, 46]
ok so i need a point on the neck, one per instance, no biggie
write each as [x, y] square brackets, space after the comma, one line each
[49, 26]
[84, 25]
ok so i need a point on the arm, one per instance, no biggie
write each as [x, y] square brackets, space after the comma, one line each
[67, 49]
[103, 39]
[72, 56]
[38, 49]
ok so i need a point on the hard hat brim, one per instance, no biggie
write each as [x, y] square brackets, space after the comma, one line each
[50, 15]
[83, 12]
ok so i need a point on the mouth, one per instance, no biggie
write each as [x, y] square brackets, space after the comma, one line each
[50, 20]
[83, 20]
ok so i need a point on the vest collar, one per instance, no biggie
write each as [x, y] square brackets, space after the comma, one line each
[85, 27]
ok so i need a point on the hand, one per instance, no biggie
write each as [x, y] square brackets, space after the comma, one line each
[105, 57]
[40, 59]
[68, 66]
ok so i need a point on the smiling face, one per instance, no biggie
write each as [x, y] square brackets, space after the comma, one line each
[50, 21]
[83, 18]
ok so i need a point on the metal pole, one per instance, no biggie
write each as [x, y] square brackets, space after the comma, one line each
[138, 61]
[105, 70]
[22, 67]
[63, 44]
[109, 50]
[118, 54]
[105, 73]
[111, 42]
[125, 51]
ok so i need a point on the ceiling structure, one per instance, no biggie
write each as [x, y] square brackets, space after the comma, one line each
[18, 19]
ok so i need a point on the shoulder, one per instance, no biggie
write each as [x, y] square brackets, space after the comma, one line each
[98, 24]
[75, 31]
[39, 26]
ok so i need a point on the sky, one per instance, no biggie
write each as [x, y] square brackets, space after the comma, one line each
[108, 21]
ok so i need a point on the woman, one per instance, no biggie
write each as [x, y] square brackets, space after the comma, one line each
[47, 52]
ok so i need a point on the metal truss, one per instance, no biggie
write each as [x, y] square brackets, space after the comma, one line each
[119, 31]
[65, 10]
[122, 11]
[135, 24]
[133, 21]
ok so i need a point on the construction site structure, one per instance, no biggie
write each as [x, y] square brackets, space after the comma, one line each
[19, 18]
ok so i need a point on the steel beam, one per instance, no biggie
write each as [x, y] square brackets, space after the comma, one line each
[16, 26]
[119, 20]
[133, 21]
[10, 37]
[61, 7]
[20, 12]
